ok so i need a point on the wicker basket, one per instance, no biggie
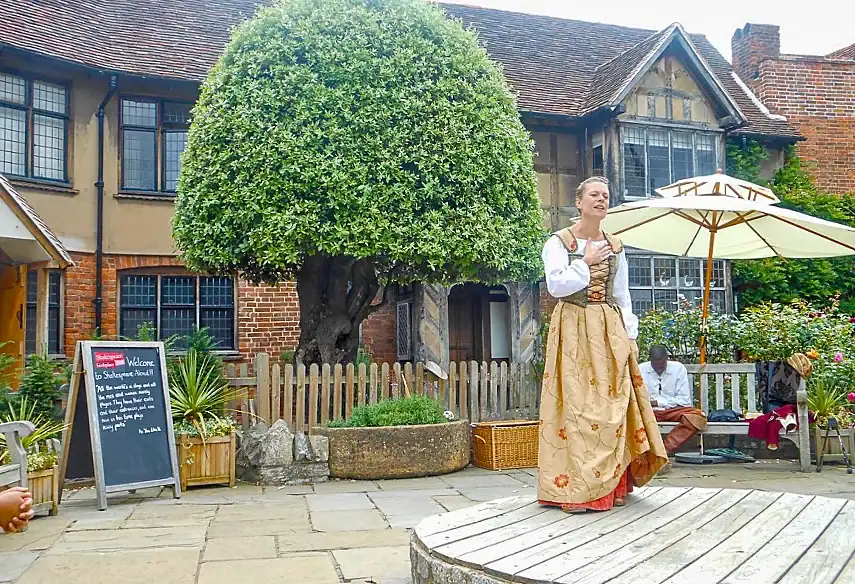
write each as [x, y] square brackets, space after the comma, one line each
[506, 444]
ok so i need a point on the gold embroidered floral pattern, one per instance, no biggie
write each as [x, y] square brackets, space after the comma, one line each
[619, 431]
[595, 427]
[562, 433]
[640, 436]
[637, 380]
[561, 481]
[598, 474]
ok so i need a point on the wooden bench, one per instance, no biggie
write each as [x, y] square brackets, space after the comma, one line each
[15, 473]
[709, 381]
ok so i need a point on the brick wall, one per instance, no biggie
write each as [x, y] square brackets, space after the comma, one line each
[378, 334]
[817, 96]
[268, 316]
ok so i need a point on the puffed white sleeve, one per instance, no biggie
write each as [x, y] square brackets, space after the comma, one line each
[563, 277]
[621, 293]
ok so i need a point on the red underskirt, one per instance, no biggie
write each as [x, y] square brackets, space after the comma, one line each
[623, 488]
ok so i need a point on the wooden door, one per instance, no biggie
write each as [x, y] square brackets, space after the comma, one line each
[12, 315]
[466, 323]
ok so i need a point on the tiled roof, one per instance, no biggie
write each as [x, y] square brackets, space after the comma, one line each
[28, 216]
[844, 53]
[551, 62]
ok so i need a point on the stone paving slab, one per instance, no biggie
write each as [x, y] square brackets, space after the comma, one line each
[259, 527]
[137, 567]
[13, 564]
[364, 520]
[311, 569]
[240, 548]
[116, 540]
[374, 564]
[339, 502]
[335, 540]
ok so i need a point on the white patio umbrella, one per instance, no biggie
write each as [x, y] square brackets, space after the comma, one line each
[721, 224]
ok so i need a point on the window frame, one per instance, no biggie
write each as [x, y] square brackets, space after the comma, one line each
[669, 129]
[29, 125]
[158, 308]
[43, 305]
[724, 287]
[160, 130]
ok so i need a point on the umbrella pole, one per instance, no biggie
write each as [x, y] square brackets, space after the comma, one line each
[706, 306]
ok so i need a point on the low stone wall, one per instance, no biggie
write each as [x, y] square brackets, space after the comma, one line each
[276, 456]
[393, 452]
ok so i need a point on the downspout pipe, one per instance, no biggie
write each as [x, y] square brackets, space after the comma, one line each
[99, 218]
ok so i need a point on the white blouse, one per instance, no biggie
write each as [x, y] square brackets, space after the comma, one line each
[564, 278]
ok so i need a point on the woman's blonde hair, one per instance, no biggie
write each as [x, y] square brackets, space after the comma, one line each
[588, 181]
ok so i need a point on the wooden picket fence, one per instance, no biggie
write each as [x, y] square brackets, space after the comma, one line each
[306, 398]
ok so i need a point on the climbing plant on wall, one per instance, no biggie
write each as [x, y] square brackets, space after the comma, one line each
[781, 280]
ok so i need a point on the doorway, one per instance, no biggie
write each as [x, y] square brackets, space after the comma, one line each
[479, 323]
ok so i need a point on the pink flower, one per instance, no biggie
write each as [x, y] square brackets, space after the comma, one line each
[851, 397]
[852, 320]
[838, 357]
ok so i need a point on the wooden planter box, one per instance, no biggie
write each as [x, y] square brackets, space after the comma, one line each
[44, 485]
[206, 462]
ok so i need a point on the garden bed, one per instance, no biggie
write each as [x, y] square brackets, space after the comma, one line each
[396, 452]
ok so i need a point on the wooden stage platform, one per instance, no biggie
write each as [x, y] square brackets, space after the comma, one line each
[663, 535]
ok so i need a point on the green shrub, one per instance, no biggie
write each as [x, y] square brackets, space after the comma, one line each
[40, 385]
[198, 392]
[680, 333]
[405, 411]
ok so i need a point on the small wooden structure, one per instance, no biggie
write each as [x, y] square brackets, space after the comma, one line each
[15, 473]
[663, 535]
[206, 461]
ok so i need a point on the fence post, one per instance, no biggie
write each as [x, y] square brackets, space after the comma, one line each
[276, 393]
[262, 384]
[288, 396]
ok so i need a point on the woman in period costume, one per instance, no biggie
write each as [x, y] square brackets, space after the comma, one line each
[598, 435]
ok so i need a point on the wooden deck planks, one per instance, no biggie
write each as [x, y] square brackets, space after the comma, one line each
[507, 540]
[774, 559]
[553, 570]
[693, 546]
[664, 536]
[529, 556]
[606, 568]
[733, 552]
[826, 558]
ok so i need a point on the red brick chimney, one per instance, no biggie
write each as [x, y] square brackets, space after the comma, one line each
[752, 44]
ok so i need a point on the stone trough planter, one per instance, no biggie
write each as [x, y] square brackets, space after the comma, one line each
[397, 452]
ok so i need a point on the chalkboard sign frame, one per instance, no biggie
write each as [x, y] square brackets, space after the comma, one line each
[84, 373]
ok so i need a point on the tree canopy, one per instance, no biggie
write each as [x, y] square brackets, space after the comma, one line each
[367, 140]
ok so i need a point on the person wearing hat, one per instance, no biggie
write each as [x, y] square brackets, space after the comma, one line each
[671, 397]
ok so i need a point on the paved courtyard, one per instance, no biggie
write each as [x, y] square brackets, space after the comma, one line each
[341, 531]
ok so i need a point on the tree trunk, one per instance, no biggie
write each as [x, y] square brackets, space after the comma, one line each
[336, 295]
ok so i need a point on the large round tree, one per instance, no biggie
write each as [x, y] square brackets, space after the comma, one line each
[352, 144]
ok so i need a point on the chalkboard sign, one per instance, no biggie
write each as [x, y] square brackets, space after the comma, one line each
[120, 394]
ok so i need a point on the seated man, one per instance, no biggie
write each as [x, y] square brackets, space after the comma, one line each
[671, 397]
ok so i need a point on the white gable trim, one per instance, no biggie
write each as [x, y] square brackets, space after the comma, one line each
[756, 100]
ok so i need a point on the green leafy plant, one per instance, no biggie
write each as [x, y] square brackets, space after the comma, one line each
[221, 426]
[38, 455]
[680, 333]
[198, 392]
[405, 411]
[825, 400]
[349, 145]
[40, 385]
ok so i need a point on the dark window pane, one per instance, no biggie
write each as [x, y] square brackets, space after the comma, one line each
[718, 301]
[30, 342]
[178, 291]
[664, 273]
[54, 345]
[139, 166]
[54, 313]
[681, 153]
[665, 299]
[13, 141]
[139, 291]
[48, 147]
[177, 322]
[133, 318]
[216, 291]
[49, 97]
[597, 160]
[220, 323]
[177, 114]
[633, 163]
[657, 160]
[174, 143]
[717, 274]
[642, 301]
[142, 114]
[705, 153]
[639, 271]
[32, 287]
[13, 89]
[690, 273]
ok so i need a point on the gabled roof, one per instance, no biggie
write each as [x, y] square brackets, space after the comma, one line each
[844, 53]
[614, 80]
[552, 63]
[34, 225]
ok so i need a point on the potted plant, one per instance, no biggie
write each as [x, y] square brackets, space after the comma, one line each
[205, 437]
[43, 450]
[397, 438]
[827, 401]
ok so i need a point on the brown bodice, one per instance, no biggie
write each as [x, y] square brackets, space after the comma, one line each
[600, 289]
